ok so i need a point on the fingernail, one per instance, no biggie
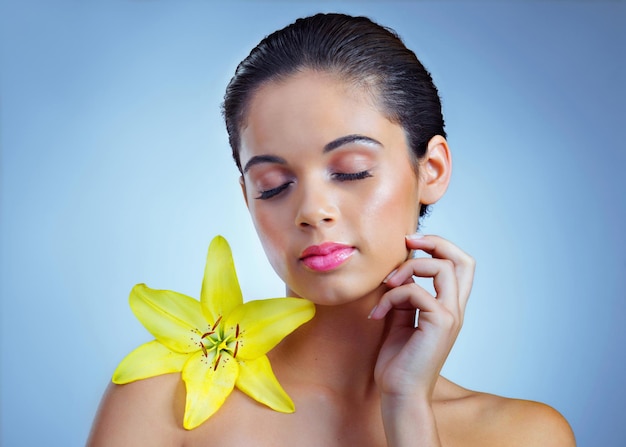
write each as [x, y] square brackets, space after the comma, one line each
[388, 277]
[369, 317]
[414, 236]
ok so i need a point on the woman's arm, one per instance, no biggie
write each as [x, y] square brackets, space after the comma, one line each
[409, 422]
[146, 412]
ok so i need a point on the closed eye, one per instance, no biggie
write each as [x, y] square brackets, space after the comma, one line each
[269, 193]
[349, 176]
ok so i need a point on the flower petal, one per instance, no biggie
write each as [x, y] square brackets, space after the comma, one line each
[148, 360]
[264, 323]
[258, 381]
[220, 288]
[207, 387]
[173, 318]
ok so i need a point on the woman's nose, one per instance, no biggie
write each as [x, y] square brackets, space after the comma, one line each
[316, 207]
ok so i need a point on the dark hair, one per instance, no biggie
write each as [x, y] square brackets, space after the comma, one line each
[357, 50]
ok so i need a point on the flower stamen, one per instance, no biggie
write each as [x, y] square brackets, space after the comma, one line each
[216, 323]
[217, 362]
[236, 348]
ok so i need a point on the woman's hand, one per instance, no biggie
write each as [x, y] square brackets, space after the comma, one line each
[411, 358]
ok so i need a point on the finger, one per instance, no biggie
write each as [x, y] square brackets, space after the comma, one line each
[441, 248]
[441, 270]
[406, 297]
[404, 300]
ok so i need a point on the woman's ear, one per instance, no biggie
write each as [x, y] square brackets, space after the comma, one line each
[242, 183]
[435, 169]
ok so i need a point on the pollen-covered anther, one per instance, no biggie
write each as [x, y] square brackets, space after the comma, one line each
[216, 322]
[206, 334]
[217, 362]
[236, 349]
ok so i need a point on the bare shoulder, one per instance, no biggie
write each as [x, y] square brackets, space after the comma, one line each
[523, 422]
[146, 412]
[472, 418]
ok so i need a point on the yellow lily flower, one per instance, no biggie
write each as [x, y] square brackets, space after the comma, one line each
[217, 343]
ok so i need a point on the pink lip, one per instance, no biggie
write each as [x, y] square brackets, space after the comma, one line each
[326, 256]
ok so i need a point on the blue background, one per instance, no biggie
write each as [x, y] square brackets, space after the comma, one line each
[116, 170]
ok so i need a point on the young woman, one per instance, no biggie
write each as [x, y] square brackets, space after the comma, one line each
[338, 133]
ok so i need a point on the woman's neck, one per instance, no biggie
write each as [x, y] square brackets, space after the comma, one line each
[337, 349]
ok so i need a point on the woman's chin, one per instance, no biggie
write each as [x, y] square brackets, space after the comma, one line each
[341, 296]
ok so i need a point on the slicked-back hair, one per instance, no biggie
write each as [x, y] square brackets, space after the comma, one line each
[357, 51]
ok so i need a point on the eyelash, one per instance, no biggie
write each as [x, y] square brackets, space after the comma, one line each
[340, 176]
[269, 193]
[346, 177]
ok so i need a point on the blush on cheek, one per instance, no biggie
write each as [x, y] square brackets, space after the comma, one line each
[401, 213]
[274, 254]
[397, 207]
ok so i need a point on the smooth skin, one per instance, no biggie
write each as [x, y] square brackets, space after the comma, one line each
[323, 164]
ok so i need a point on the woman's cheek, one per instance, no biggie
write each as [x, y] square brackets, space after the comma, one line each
[271, 235]
[397, 212]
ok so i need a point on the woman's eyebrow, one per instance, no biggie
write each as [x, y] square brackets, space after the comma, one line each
[258, 159]
[335, 144]
[355, 138]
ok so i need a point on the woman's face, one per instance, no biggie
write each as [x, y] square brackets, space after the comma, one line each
[329, 184]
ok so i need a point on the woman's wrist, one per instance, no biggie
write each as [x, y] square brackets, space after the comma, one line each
[409, 420]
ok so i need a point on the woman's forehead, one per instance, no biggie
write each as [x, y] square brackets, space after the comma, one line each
[310, 108]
